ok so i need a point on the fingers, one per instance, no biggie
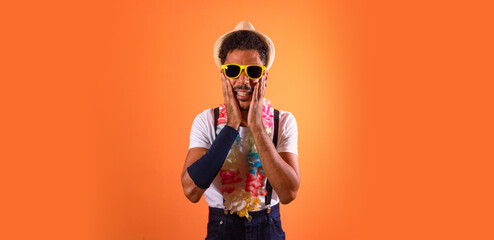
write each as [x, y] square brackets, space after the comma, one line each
[229, 89]
[230, 101]
[262, 84]
[258, 94]
[223, 86]
[255, 93]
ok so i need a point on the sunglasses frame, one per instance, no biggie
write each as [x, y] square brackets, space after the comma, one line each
[243, 68]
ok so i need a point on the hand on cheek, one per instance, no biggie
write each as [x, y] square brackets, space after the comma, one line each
[234, 117]
[255, 110]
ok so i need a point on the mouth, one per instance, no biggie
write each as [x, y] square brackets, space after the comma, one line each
[243, 95]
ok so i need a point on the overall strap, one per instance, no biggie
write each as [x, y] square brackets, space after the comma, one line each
[216, 115]
[269, 188]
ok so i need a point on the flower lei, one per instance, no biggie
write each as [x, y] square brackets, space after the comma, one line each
[239, 197]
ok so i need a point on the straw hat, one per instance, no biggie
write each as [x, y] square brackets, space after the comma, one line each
[244, 25]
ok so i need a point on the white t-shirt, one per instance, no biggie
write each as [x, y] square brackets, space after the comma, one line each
[203, 134]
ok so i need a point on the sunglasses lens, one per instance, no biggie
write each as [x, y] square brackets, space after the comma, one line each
[254, 72]
[232, 71]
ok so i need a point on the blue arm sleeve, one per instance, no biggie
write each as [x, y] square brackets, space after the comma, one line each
[204, 170]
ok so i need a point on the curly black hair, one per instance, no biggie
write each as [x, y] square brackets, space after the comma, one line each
[243, 40]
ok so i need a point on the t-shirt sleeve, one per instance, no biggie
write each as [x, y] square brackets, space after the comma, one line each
[288, 136]
[200, 133]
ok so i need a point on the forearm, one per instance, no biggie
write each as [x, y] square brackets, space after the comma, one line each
[204, 170]
[202, 165]
[283, 177]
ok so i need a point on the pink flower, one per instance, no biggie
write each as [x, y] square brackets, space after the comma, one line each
[230, 177]
[255, 184]
[266, 114]
[222, 118]
[227, 189]
[263, 192]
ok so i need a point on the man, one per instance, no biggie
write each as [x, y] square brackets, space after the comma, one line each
[243, 155]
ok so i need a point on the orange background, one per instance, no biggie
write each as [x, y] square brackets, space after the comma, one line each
[393, 100]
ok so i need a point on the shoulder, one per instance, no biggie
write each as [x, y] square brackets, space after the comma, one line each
[205, 116]
[287, 118]
[285, 114]
[204, 121]
[288, 133]
[202, 132]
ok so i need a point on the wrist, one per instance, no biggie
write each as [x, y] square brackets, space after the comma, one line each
[257, 128]
[234, 125]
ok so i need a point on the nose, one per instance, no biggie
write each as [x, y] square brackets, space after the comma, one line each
[243, 78]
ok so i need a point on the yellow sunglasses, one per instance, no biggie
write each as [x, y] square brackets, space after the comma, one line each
[253, 71]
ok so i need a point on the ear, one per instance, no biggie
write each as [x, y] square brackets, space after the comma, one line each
[266, 79]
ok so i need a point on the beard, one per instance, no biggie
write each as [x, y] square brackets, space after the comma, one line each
[243, 105]
[243, 102]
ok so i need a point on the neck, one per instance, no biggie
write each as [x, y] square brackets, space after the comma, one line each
[245, 114]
